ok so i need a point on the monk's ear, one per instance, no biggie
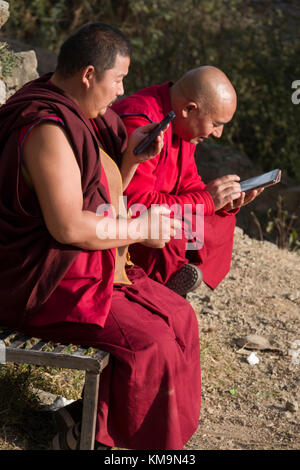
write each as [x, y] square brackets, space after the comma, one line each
[191, 106]
[87, 75]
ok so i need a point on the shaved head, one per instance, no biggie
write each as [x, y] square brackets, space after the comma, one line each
[203, 100]
[208, 86]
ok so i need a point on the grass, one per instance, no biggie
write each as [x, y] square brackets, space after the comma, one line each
[23, 423]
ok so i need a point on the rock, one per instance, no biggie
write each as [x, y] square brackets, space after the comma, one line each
[292, 406]
[294, 352]
[2, 92]
[256, 342]
[4, 12]
[46, 59]
[293, 296]
[209, 311]
[26, 71]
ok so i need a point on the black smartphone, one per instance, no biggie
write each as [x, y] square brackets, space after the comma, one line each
[153, 134]
[266, 179]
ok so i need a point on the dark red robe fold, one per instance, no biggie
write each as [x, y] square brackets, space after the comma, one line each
[32, 263]
[172, 178]
[150, 392]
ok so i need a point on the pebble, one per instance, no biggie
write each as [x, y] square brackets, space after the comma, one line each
[292, 406]
[209, 311]
[253, 359]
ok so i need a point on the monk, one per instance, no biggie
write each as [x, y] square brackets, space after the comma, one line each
[204, 101]
[65, 273]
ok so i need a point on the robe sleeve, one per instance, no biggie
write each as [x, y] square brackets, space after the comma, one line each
[142, 188]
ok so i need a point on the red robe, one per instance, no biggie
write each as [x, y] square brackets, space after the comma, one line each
[169, 178]
[150, 392]
[32, 262]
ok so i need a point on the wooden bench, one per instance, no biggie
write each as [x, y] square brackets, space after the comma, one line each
[15, 347]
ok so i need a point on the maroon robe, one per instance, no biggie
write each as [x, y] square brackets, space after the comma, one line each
[32, 262]
[150, 392]
[172, 178]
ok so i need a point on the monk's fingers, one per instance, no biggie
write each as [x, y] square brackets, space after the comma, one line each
[224, 180]
[169, 227]
[149, 127]
[153, 149]
[251, 195]
[219, 188]
[239, 202]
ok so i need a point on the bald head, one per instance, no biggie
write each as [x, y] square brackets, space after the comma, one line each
[204, 100]
[208, 86]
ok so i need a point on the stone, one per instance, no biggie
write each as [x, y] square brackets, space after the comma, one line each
[46, 59]
[4, 12]
[24, 72]
[255, 342]
[2, 92]
[253, 359]
[292, 406]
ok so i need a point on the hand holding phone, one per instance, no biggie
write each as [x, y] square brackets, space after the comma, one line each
[153, 134]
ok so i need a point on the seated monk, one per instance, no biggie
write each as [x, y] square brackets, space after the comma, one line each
[204, 101]
[62, 278]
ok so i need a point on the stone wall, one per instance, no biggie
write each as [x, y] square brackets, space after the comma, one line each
[23, 67]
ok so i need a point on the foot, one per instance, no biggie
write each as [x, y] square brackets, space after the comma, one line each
[67, 416]
[187, 279]
[70, 440]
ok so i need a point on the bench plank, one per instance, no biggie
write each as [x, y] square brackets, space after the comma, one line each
[92, 364]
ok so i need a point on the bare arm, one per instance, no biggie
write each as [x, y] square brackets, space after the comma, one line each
[56, 178]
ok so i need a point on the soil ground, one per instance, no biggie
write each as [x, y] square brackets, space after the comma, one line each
[244, 406]
[250, 406]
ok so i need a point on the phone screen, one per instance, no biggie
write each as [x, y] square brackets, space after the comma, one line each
[266, 179]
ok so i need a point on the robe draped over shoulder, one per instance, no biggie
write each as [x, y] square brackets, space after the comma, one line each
[32, 262]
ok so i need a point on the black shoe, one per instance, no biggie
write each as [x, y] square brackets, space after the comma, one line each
[70, 440]
[67, 440]
[187, 279]
[68, 416]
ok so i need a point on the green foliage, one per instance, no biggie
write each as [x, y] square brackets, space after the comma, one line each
[254, 43]
[8, 60]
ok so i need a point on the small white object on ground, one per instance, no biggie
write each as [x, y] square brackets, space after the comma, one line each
[58, 403]
[253, 359]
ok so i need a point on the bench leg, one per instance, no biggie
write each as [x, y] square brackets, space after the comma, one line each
[89, 413]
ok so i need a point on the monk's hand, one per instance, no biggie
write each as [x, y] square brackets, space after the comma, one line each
[158, 226]
[244, 199]
[130, 161]
[152, 150]
[224, 191]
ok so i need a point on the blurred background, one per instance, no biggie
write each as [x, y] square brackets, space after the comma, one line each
[255, 42]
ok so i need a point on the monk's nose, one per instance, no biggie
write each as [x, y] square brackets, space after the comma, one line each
[218, 132]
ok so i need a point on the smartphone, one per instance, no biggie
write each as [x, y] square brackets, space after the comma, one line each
[266, 179]
[153, 134]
